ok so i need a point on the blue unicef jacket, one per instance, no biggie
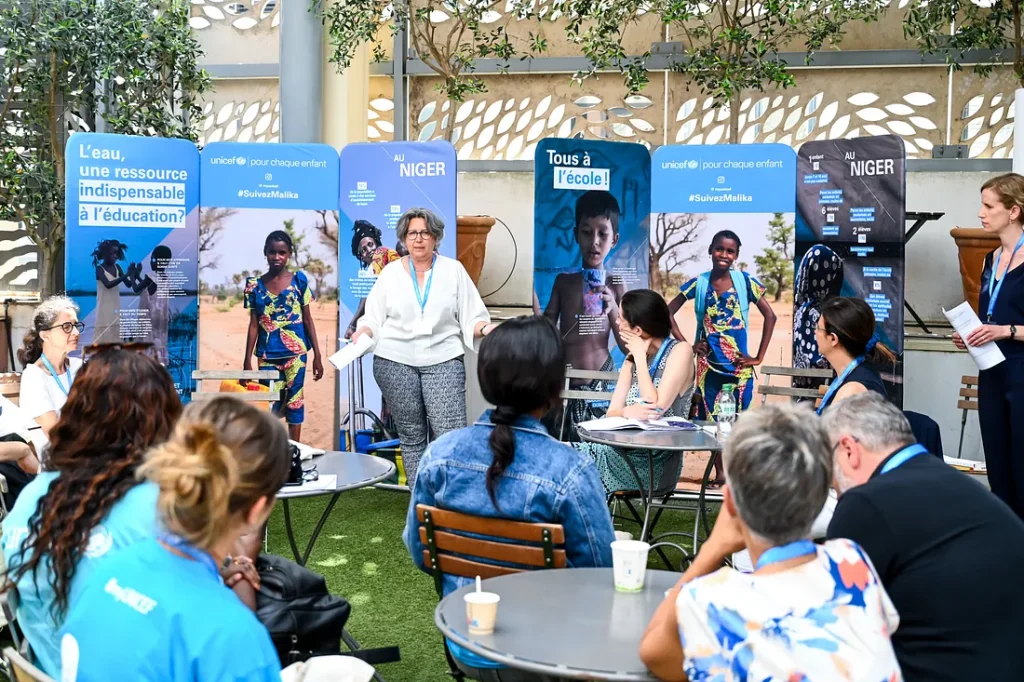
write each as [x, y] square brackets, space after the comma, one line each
[547, 482]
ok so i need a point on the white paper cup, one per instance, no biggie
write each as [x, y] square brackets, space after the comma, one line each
[481, 612]
[623, 535]
[629, 564]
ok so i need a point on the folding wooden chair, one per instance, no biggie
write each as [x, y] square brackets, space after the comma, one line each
[511, 547]
[968, 402]
[219, 375]
[19, 669]
[768, 371]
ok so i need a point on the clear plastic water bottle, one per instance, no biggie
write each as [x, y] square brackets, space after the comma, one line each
[726, 411]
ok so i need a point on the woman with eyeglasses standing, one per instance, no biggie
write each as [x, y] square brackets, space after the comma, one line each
[420, 314]
[49, 372]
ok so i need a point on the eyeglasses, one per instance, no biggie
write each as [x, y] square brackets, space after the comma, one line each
[132, 347]
[67, 327]
[418, 235]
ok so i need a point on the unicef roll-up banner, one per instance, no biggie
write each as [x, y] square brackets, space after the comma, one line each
[851, 198]
[722, 230]
[132, 244]
[268, 242]
[379, 182]
[592, 205]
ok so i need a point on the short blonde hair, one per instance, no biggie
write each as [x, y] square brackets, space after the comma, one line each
[1010, 189]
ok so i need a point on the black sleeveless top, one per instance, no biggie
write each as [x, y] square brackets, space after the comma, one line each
[865, 376]
[1009, 306]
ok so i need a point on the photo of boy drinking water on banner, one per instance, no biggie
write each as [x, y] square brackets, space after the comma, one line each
[591, 248]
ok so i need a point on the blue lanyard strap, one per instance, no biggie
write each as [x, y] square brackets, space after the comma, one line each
[785, 552]
[421, 297]
[179, 543]
[838, 383]
[56, 377]
[653, 368]
[902, 456]
[995, 287]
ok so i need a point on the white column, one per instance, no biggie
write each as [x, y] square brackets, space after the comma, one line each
[346, 97]
[1018, 132]
[301, 93]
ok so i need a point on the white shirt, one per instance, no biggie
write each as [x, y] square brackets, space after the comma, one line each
[403, 333]
[14, 420]
[40, 392]
[741, 560]
[827, 619]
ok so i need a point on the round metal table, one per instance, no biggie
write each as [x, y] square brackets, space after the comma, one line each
[354, 470]
[651, 442]
[599, 641]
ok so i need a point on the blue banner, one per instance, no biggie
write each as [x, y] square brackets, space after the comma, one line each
[379, 182]
[592, 205]
[726, 178]
[268, 239]
[132, 209]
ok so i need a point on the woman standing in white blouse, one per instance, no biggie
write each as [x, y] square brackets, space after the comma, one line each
[421, 312]
[46, 379]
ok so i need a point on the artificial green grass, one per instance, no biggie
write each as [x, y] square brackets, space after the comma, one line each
[361, 554]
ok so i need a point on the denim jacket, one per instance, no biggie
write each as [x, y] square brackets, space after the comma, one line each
[547, 482]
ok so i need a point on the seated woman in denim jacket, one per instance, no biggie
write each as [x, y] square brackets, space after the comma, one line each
[507, 466]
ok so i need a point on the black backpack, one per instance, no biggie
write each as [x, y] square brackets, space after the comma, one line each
[293, 603]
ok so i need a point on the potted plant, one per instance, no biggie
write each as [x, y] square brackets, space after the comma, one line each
[973, 244]
[471, 242]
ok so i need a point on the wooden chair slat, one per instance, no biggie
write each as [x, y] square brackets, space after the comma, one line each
[585, 395]
[788, 391]
[968, 393]
[967, 405]
[499, 528]
[591, 375]
[495, 551]
[969, 380]
[247, 396]
[453, 565]
[237, 374]
[809, 372]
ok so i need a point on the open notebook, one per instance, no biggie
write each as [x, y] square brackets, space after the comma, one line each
[621, 423]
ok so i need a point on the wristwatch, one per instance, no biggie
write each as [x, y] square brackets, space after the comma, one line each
[1013, 330]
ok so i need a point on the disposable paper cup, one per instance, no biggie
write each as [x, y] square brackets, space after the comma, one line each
[623, 535]
[629, 564]
[481, 612]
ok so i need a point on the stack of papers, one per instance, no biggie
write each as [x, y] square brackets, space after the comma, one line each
[964, 321]
[621, 423]
[351, 352]
[966, 465]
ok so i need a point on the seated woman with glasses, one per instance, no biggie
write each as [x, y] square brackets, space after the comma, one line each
[421, 312]
[49, 372]
[88, 501]
[158, 610]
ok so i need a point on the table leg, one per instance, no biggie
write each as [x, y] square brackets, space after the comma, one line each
[353, 645]
[700, 500]
[917, 318]
[291, 535]
[302, 559]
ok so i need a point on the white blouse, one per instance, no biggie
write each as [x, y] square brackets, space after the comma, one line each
[404, 334]
[41, 392]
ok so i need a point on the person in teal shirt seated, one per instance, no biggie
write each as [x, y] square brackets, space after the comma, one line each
[158, 610]
[87, 503]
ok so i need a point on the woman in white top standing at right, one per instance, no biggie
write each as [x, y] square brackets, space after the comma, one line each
[49, 372]
[421, 313]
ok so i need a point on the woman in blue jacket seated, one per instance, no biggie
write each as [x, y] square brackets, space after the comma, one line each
[158, 610]
[507, 466]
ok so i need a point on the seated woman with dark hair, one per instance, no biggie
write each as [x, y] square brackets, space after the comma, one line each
[846, 338]
[507, 466]
[87, 502]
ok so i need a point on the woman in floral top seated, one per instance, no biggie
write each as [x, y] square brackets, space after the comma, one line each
[281, 329]
[807, 612]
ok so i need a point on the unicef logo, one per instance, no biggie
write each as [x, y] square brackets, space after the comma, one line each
[692, 164]
[100, 542]
[241, 160]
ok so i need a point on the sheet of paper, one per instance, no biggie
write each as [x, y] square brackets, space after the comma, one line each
[610, 424]
[964, 321]
[351, 351]
[325, 482]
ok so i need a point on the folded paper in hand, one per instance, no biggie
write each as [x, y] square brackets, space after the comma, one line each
[351, 351]
[964, 321]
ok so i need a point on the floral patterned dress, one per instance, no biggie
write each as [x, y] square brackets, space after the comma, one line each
[281, 341]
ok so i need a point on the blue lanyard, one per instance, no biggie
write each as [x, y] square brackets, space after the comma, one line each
[179, 543]
[421, 297]
[653, 368]
[838, 383]
[56, 377]
[785, 552]
[903, 455]
[993, 286]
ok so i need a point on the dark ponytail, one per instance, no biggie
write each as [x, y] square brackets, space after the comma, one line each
[31, 348]
[853, 323]
[521, 369]
[503, 446]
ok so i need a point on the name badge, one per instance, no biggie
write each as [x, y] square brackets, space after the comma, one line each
[423, 328]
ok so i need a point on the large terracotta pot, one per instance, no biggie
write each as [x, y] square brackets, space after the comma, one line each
[974, 244]
[471, 242]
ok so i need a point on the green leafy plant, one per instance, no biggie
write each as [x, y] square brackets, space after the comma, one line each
[55, 52]
[956, 27]
[448, 35]
[728, 46]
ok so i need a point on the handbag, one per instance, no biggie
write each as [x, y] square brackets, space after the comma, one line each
[304, 619]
